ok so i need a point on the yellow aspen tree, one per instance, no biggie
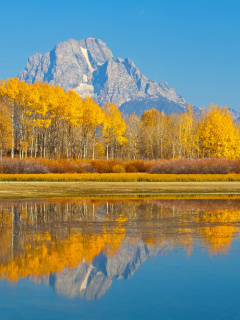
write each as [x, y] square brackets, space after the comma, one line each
[24, 117]
[113, 129]
[5, 129]
[150, 120]
[218, 134]
[161, 135]
[133, 134]
[187, 136]
[173, 145]
[93, 119]
[10, 91]
[73, 115]
[45, 111]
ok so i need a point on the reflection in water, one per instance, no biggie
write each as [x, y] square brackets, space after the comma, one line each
[80, 246]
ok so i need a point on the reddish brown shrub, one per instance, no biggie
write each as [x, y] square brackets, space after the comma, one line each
[138, 165]
[15, 166]
[130, 167]
[196, 166]
[105, 166]
[88, 167]
[61, 165]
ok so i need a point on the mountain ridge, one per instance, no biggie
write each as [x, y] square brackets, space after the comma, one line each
[92, 280]
[88, 67]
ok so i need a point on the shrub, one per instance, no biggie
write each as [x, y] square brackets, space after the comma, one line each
[118, 169]
[105, 166]
[88, 167]
[197, 166]
[178, 166]
[130, 167]
[62, 165]
[22, 166]
[138, 165]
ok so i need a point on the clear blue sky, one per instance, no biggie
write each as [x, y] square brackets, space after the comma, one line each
[193, 45]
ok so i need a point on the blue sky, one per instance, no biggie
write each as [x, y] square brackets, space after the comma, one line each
[193, 45]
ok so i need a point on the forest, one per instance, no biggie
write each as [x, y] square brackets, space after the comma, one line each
[43, 121]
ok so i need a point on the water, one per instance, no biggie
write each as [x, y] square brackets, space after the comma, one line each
[120, 259]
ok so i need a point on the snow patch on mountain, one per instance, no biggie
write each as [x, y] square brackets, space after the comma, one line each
[84, 90]
[85, 53]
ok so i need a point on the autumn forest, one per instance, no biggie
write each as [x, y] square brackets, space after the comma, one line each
[43, 121]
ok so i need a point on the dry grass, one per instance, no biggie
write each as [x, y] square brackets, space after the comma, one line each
[11, 190]
[121, 177]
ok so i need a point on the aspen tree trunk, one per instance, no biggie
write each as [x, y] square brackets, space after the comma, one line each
[20, 136]
[35, 150]
[41, 151]
[84, 151]
[112, 150]
[107, 151]
[62, 146]
[129, 149]
[44, 146]
[68, 141]
[41, 146]
[161, 145]
[93, 148]
[151, 148]
[173, 149]
[86, 146]
[36, 146]
[31, 150]
[13, 129]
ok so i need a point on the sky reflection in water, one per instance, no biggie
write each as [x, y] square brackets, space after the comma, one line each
[61, 259]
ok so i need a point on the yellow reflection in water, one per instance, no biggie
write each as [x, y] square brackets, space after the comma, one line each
[38, 238]
[219, 229]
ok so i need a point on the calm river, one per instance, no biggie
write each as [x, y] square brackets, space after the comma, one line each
[120, 259]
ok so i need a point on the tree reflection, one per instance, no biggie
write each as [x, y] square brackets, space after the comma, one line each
[43, 237]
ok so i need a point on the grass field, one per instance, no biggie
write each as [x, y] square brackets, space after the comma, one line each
[15, 186]
[44, 189]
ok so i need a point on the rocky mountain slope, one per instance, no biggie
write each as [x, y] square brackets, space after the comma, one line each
[88, 67]
[92, 280]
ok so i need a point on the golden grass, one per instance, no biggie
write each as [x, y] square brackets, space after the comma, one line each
[121, 177]
[86, 189]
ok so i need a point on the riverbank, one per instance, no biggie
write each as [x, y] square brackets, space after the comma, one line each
[43, 189]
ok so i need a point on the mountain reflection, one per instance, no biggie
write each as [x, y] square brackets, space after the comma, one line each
[80, 246]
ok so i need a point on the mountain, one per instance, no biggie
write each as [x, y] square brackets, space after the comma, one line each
[92, 280]
[88, 67]
[160, 103]
[235, 114]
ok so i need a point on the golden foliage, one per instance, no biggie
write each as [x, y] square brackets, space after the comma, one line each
[40, 120]
[91, 227]
[218, 135]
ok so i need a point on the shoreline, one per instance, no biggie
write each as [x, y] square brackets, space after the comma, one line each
[46, 189]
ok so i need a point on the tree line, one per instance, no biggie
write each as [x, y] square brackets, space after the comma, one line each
[40, 120]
